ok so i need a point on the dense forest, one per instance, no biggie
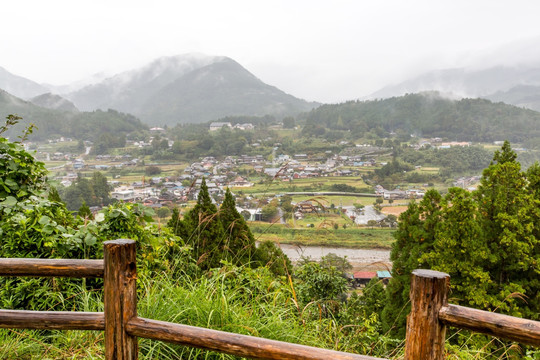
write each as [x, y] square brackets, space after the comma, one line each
[78, 125]
[427, 115]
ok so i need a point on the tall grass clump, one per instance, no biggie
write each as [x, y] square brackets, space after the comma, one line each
[234, 299]
[55, 344]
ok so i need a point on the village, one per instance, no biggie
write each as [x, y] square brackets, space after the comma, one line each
[257, 178]
[239, 173]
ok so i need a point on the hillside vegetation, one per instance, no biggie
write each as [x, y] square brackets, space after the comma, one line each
[428, 115]
[55, 123]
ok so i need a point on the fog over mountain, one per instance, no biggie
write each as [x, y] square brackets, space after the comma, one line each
[19, 86]
[55, 102]
[466, 82]
[187, 88]
[510, 74]
[129, 90]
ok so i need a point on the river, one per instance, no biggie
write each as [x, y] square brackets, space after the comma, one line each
[360, 259]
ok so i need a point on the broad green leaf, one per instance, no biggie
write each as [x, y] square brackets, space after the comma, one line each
[11, 183]
[9, 202]
[44, 220]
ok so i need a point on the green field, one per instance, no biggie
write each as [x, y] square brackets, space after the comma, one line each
[359, 238]
[337, 200]
[311, 184]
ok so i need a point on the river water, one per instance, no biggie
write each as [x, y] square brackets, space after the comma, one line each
[360, 259]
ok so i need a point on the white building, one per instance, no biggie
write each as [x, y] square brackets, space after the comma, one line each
[218, 125]
[124, 195]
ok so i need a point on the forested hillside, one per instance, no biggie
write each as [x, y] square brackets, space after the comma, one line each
[428, 115]
[55, 123]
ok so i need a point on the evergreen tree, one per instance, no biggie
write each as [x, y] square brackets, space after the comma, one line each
[205, 232]
[239, 241]
[533, 273]
[270, 255]
[508, 218]
[373, 298]
[460, 250]
[54, 195]
[100, 188]
[177, 225]
[488, 242]
[415, 236]
[84, 211]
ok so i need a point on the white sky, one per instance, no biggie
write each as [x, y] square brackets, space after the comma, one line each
[326, 51]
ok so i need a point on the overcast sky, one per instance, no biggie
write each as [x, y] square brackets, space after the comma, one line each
[327, 51]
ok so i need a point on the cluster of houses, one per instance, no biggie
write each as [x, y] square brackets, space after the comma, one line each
[218, 125]
[398, 193]
[439, 144]
[219, 174]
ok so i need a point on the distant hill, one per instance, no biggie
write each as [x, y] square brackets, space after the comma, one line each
[19, 86]
[52, 101]
[430, 115]
[54, 123]
[188, 88]
[516, 85]
[527, 96]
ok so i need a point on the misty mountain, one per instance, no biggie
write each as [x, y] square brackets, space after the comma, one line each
[52, 123]
[527, 96]
[429, 115]
[76, 85]
[129, 90]
[187, 88]
[223, 88]
[20, 86]
[516, 85]
[52, 101]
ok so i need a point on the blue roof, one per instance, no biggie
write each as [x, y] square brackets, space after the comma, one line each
[383, 274]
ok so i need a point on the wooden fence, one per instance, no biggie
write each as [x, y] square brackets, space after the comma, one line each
[426, 325]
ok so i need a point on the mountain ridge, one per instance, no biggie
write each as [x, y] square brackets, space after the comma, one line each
[176, 89]
[163, 93]
[514, 85]
[223, 88]
[19, 86]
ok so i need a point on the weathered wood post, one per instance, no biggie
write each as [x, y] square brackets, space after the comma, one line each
[120, 298]
[425, 333]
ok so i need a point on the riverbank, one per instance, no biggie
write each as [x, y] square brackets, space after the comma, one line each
[360, 259]
[352, 238]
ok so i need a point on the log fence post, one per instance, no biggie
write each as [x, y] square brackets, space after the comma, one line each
[120, 298]
[425, 332]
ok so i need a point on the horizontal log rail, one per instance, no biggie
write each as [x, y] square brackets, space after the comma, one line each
[426, 324]
[503, 326]
[52, 320]
[431, 313]
[52, 268]
[230, 343]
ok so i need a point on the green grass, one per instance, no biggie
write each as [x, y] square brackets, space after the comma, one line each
[301, 185]
[358, 238]
[239, 300]
[233, 299]
[337, 200]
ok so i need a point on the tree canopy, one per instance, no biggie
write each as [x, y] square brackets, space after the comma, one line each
[486, 240]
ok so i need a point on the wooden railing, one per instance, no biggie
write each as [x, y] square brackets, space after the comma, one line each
[431, 313]
[426, 324]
